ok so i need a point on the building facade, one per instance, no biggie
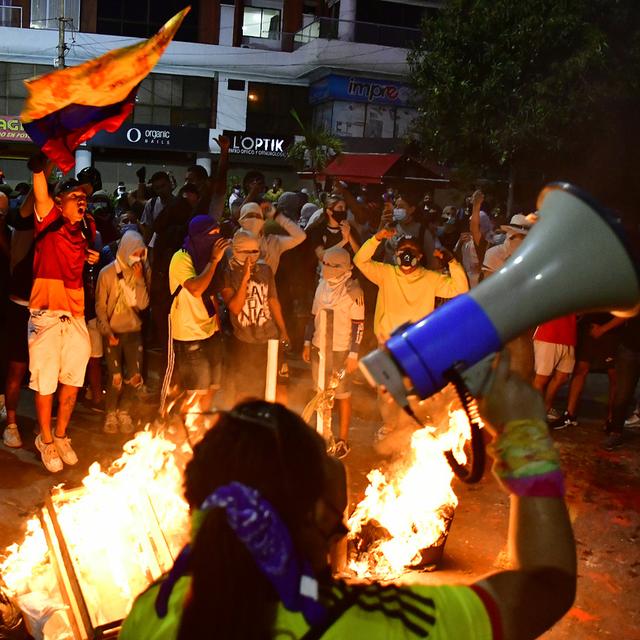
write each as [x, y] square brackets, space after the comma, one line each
[234, 67]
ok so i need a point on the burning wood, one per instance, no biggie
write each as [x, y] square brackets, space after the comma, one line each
[403, 521]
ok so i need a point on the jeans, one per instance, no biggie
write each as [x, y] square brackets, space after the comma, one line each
[125, 357]
[627, 365]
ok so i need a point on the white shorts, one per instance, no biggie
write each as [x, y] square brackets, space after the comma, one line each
[550, 357]
[59, 349]
[96, 338]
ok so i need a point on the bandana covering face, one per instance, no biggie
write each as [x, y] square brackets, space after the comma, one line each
[336, 271]
[199, 242]
[244, 241]
[252, 225]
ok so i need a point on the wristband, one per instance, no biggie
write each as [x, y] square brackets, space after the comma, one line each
[526, 461]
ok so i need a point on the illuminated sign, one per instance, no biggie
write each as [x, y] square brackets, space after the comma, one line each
[11, 129]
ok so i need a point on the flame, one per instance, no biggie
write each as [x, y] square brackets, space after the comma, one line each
[409, 507]
[122, 528]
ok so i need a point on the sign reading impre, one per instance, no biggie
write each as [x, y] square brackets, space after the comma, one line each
[11, 129]
[245, 144]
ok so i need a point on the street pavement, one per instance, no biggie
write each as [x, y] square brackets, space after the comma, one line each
[603, 497]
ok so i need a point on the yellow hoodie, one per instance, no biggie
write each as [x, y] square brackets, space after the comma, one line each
[405, 297]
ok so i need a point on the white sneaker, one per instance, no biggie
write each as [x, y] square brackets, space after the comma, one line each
[11, 436]
[65, 451]
[125, 422]
[633, 420]
[49, 454]
[111, 423]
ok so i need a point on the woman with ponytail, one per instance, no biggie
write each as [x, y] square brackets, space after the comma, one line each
[267, 506]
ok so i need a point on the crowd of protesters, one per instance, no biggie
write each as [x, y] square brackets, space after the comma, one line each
[202, 276]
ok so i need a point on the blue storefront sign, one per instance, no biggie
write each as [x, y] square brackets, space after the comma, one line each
[357, 89]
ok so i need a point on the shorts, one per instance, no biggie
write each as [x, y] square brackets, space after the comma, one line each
[599, 352]
[550, 357]
[95, 338]
[199, 362]
[343, 390]
[59, 350]
[17, 331]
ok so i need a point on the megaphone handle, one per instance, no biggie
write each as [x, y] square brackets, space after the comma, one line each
[475, 472]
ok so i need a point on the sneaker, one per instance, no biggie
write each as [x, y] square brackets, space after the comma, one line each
[111, 423]
[11, 436]
[50, 456]
[563, 421]
[341, 449]
[613, 441]
[125, 422]
[553, 414]
[633, 421]
[66, 452]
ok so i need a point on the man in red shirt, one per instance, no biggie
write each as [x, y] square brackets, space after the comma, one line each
[554, 345]
[59, 346]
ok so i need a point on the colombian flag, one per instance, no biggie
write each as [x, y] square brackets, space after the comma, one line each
[68, 106]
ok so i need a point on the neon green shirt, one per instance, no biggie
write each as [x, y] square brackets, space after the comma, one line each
[456, 613]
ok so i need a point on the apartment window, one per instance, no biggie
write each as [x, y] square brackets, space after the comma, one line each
[45, 13]
[174, 101]
[143, 18]
[261, 23]
[12, 89]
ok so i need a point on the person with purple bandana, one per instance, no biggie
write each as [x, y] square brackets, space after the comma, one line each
[194, 325]
[267, 505]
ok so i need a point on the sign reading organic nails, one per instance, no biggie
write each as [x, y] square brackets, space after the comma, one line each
[245, 144]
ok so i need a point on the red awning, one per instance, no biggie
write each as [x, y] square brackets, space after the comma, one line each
[364, 168]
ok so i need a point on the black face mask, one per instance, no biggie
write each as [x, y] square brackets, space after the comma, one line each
[339, 216]
[406, 258]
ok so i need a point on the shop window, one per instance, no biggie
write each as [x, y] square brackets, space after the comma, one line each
[261, 23]
[348, 119]
[380, 121]
[45, 13]
[404, 121]
[269, 108]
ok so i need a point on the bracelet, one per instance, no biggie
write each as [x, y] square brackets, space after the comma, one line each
[526, 460]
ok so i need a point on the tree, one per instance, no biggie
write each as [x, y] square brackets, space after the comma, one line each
[505, 86]
[315, 150]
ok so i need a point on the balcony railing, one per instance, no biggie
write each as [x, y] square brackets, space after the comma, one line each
[357, 31]
[10, 16]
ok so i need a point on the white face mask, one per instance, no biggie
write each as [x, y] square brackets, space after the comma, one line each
[133, 259]
[242, 256]
[334, 275]
[252, 225]
[399, 215]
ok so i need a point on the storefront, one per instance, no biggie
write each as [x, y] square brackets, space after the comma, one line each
[368, 114]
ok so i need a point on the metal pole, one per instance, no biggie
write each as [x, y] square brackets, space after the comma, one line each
[62, 47]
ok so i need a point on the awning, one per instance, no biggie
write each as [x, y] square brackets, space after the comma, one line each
[379, 168]
[364, 168]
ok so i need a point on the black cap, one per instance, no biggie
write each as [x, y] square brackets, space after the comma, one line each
[64, 186]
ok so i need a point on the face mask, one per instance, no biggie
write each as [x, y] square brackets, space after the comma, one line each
[133, 259]
[406, 259]
[339, 216]
[240, 257]
[252, 225]
[399, 215]
[334, 275]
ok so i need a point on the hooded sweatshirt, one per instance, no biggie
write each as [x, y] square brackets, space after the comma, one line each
[120, 296]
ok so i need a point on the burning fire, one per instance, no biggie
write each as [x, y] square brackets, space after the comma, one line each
[408, 508]
[122, 528]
